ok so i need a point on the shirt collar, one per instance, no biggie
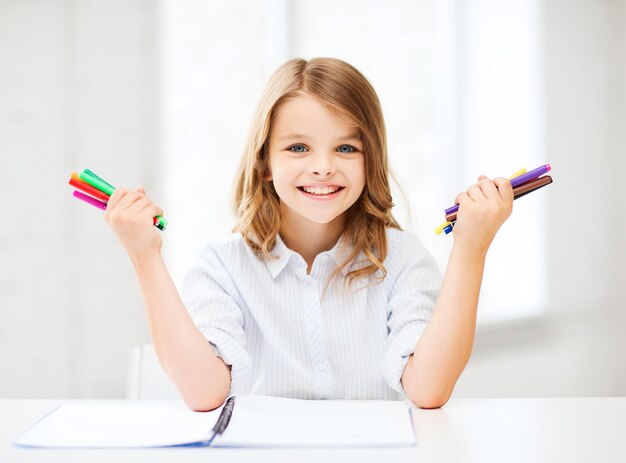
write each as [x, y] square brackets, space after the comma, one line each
[340, 251]
[282, 254]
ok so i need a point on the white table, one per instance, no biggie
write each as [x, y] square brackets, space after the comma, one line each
[464, 430]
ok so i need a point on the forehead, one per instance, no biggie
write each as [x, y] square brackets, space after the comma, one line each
[304, 114]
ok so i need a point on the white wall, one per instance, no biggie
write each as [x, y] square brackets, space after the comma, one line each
[213, 75]
[617, 124]
[76, 91]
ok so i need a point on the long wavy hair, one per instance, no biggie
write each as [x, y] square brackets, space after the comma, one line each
[342, 88]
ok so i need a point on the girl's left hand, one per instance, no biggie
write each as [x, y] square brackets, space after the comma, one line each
[482, 210]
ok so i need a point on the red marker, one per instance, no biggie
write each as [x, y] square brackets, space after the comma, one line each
[76, 182]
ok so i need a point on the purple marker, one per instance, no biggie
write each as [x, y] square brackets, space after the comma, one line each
[532, 175]
[88, 199]
[517, 181]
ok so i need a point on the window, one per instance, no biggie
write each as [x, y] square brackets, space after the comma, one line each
[459, 87]
[500, 130]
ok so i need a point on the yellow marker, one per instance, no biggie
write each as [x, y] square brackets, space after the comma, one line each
[439, 229]
[522, 171]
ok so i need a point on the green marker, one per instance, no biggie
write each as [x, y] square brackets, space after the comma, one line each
[96, 182]
[88, 172]
[160, 222]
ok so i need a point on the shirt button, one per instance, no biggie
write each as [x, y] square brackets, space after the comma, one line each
[322, 366]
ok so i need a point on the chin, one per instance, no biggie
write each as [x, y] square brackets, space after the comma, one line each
[319, 218]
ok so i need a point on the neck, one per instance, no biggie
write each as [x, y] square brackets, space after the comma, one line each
[309, 238]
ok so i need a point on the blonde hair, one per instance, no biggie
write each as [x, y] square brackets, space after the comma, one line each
[344, 89]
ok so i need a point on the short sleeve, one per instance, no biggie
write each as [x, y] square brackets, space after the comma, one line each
[410, 305]
[209, 294]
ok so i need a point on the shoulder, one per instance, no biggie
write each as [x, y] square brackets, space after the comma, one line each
[405, 249]
[230, 255]
[230, 249]
[223, 261]
[404, 244]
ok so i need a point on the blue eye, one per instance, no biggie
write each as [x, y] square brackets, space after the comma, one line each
[296, 146]
[352, 149]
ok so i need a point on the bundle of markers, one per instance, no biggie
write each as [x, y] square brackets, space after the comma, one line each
[522, 182]
[96, 191]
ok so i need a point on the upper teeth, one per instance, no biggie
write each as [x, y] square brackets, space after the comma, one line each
[320, 190]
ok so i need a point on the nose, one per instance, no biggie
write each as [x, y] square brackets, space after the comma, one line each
[322, 165]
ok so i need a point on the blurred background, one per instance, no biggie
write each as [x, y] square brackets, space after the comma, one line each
[161, 93]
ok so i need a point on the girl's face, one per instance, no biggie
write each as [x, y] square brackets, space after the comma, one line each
[316, 160]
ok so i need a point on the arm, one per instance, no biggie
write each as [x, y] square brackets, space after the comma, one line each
[200, 375]
[202, 378]
[446, 344]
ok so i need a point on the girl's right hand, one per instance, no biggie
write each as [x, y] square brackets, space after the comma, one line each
[130, 214]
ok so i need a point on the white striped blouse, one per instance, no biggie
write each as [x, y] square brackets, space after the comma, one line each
[267, 319]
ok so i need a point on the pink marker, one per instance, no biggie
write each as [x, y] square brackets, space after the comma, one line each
[88, 199]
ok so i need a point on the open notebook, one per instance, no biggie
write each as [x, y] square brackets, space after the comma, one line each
[256, 421]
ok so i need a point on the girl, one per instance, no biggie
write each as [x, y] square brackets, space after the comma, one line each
[321, 294]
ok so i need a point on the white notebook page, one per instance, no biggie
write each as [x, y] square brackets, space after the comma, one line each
[272, 421]
[257, 421]
[132, 424]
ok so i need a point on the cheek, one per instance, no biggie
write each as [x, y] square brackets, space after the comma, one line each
[273, 168]
[357, 190]
[282, 178]
[358, 179]
[278, 174]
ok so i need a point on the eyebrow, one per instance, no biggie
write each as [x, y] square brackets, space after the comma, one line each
[296, 135]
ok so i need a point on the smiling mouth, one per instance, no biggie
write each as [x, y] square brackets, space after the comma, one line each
[321, 191]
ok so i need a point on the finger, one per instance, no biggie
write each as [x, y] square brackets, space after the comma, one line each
[138, 206]
[145, 214]
[463, 198]
[148, 214]
[489, 189]
[129, 199]
[480, 177]
[153, 210]
[116, 197]
[505, 190]
[476, 193]
[142, 204]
